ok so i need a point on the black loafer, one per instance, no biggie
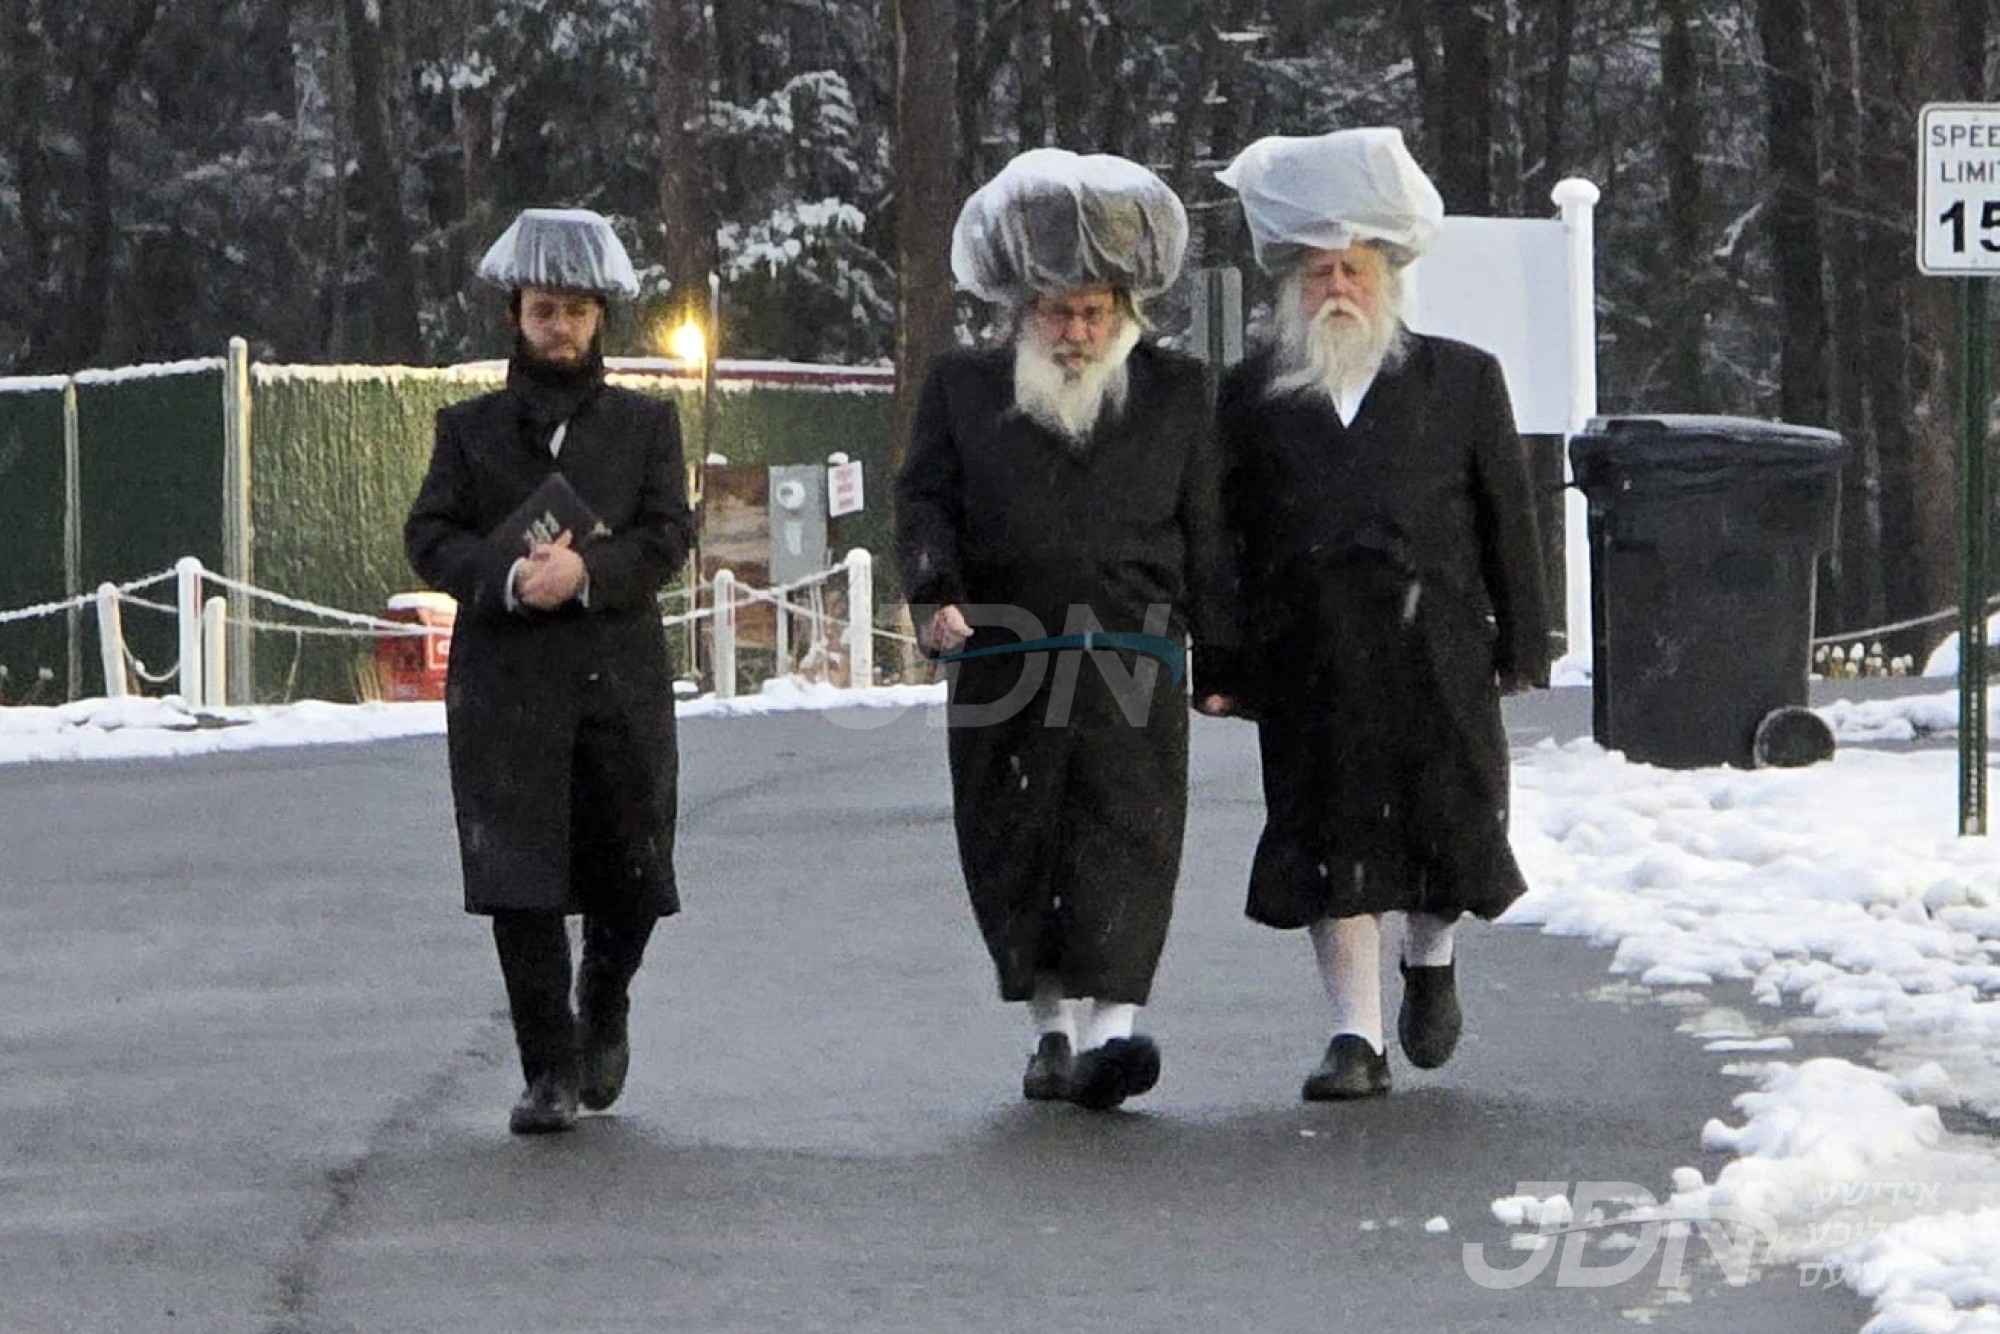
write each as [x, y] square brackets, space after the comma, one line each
[1048, 1074]
[1351, 1069]
[1106, 1076]
[547, 1106]
[604, 1058]
[1429, 1022]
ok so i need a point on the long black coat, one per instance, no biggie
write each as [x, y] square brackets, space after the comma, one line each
[1069, 809]
[1391, 572]
[537, 829]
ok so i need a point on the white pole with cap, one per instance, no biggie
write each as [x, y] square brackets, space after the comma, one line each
[1577, 198]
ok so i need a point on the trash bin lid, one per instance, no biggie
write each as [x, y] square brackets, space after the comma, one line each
[1688, 442]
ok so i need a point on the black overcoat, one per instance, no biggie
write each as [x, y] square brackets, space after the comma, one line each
[1391, 573]
[1071, 798]
[537, 830]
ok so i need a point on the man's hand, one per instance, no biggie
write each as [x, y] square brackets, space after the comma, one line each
[1217, 706]
[553, 575]
[947, 631]
[1512, 684]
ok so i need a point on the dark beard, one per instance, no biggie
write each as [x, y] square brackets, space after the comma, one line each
[552, 392]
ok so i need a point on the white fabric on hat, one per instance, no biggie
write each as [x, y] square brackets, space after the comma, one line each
[569, 248]
[1333, 190]
[1054, 221]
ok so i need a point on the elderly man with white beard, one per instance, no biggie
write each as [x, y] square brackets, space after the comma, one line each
[1060, 540]
[1391, 574]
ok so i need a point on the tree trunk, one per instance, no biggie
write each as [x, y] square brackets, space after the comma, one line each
[26, 54]
[1796, 257]
[1414, 17]
[1118, 118]
[1069, 71]
[973, 39]
[1680, 146]
[926, 204]
[1554, 161]
[398, 335]
[1031, 65]
[687, 217]
[1856, 594]
[1465, 128]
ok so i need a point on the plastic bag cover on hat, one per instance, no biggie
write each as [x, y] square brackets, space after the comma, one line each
[570, 248]
[1333, 190]
[1054, 221]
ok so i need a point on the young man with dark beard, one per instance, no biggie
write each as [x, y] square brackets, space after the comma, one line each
[1060, 486]
[1392, 589]
[559, 706]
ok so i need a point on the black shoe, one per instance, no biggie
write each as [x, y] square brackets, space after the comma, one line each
[1047, 1077]
[548, 1105]
[604, 1055]
[1350, 1069]
[1430, 1021]
[1106, 1076]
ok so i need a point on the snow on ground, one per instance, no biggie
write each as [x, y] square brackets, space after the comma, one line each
[1839, 895]
[1843, 898]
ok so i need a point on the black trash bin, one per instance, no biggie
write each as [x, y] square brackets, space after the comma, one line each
[1705, 534]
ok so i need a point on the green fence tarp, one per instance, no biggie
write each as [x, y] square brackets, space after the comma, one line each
[31, 515]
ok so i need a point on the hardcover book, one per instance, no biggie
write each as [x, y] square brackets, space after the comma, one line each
[553, 509]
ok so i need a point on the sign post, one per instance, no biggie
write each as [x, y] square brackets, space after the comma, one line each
[1958, 235]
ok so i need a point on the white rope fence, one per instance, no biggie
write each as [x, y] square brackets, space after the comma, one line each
[200, 668]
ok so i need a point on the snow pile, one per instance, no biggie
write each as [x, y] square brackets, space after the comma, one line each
[1843, 898]
[137, 728]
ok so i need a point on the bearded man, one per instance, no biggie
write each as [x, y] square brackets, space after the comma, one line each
[1064, 486]
[1392, 586]
[559, 709]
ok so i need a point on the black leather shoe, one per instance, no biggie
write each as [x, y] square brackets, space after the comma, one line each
[548, 1105]
[1430, 1021]
[1106, 1076]
[1350, 1069]
[604, 1055]
[1047, 1077]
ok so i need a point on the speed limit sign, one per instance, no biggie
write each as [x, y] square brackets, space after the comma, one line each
[1958, 188]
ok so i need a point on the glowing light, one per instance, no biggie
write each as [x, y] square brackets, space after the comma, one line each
[687, 343]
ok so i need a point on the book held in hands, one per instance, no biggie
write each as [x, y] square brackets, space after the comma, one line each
[554, 508]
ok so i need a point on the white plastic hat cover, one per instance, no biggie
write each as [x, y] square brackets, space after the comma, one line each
[570, 248]
[1333, 190]
[1054, 221]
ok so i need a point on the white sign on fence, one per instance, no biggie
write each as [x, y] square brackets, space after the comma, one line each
[1958, 188]
[843, 489]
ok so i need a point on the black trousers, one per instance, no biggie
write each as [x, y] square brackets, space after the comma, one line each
[534, 960]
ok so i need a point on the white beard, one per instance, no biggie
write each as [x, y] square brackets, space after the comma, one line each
[1330, 356]
[1071, 402]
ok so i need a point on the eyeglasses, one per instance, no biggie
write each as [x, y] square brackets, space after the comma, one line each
[1059, 317]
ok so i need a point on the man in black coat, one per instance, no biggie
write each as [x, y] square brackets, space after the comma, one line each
[1392, 589]
[559, 705]
[1062, 486]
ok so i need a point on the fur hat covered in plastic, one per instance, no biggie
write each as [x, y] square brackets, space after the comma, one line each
[1331, 191]
[1054, 221]
[572, 249]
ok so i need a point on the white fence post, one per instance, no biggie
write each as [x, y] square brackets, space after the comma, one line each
[187, 571]
[1577, 198]
[781, 654]
[111, 642]
[214, 653]
[860, 619]
[724, 643]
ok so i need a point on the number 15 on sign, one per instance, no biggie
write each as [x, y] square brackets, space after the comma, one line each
[1958, 188]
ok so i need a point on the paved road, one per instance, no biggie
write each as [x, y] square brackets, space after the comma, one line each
[254, 1075]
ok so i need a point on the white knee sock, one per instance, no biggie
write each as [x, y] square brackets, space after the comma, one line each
[1107, 1020]
[1350, 965]
[1050, 1011]
[1427, 939]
